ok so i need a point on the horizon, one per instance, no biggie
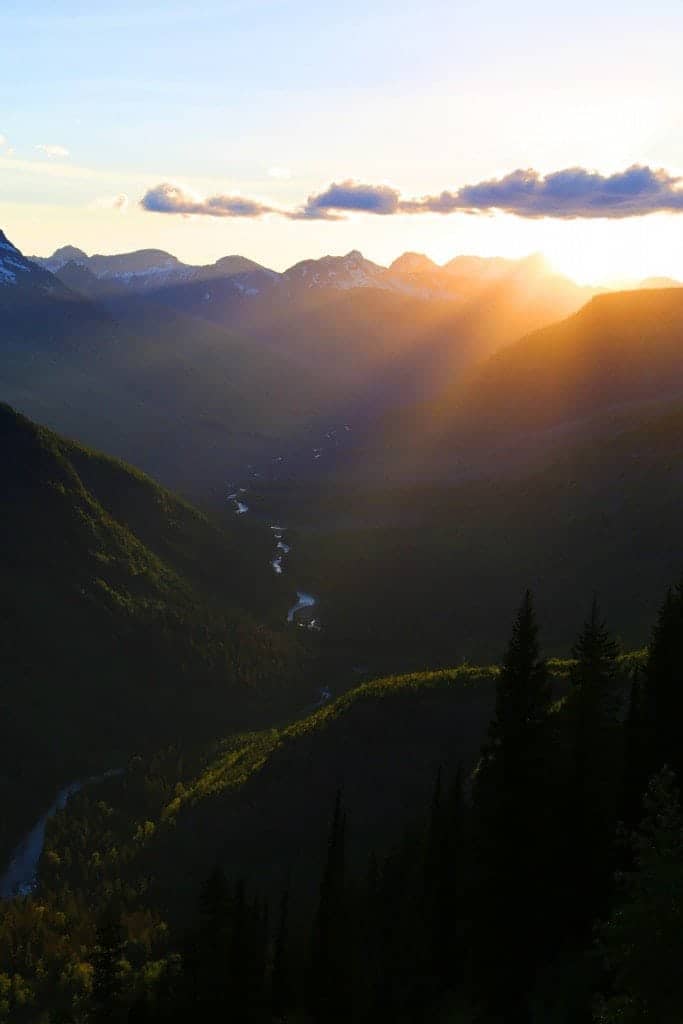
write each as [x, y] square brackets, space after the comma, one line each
[246, 128]
[615, 284]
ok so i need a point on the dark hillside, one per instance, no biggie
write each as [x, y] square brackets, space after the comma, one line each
[118, 601]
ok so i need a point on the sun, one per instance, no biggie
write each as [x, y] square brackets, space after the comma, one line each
[614, 253]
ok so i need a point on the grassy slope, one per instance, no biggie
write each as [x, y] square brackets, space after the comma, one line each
[260, 804]
[262, 801]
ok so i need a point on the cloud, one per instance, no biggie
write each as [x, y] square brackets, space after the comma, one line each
[56, 152]
[3, 140]
[571, 193]
[167, 198]
[119, 202]
[349, 196]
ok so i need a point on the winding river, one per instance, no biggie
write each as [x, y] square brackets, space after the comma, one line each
[21, 876]
[302, 601]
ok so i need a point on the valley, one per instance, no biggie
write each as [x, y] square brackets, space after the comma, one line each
[322, 617]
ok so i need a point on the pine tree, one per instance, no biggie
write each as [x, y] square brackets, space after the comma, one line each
[663, 696]
[443, 871]
[106, 996]
[206, 983]
[329, 982]
[523, 691]
[592, 712]
[281, 994]
[635, 757]
[642, 942]
[510, 902]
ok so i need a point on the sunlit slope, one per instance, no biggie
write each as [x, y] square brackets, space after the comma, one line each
[523, 404]
[620, 348]
[119, 616]
[261, 805]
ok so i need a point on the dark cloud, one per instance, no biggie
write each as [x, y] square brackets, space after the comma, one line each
[349, 196]
[168, 198]
[570, 193]
[574, 192]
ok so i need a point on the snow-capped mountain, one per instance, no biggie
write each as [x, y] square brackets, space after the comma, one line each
[146, 270]
[41, 313]
[340, 272]
[16, 269]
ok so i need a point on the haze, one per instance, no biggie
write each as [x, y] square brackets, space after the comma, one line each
[273, 102]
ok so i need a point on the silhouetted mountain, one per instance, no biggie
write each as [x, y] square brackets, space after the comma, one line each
[660, 282]
[38, 311]
[621, 348]
[194, 372]
[146, 270]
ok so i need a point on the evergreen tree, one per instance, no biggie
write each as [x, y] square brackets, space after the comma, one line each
[206, 979]
[329, 982]
[664, 686]
[247, 954]
[281, 993]
[592, 711]
[642, 942]
[509, 907]
[523, 691]
[106, 1003]
[443, 875]
[635, 756]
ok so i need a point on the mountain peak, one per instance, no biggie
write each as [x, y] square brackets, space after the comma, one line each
[235, 264]
[413, 263]
[12, 261]
[69, 253]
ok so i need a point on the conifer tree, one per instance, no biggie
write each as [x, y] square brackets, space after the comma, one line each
[642, 942]
[206, 953]
[635, 756]
[329, 982]
[523, 691]
[281, 994]
[592, 711]
[443, 871]
[509, 897]
[664, 686]
[106, 996]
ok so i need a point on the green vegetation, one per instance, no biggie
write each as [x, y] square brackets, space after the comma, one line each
[198, 883]
[117, 602]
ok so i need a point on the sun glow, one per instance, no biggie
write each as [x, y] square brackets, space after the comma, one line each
[613, 253]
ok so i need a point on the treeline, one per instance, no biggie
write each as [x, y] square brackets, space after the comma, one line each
[547, 886]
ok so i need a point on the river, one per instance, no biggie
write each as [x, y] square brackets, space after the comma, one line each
[21, 876]
[302, 601]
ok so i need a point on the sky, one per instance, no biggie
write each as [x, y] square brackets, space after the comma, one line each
[283, 130]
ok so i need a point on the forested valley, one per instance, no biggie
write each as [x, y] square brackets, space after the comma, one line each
[537, 874]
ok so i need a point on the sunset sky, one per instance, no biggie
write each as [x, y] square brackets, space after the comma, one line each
[234, 119]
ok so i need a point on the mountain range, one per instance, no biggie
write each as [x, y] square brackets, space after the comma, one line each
[192, 373]
[503, 429]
